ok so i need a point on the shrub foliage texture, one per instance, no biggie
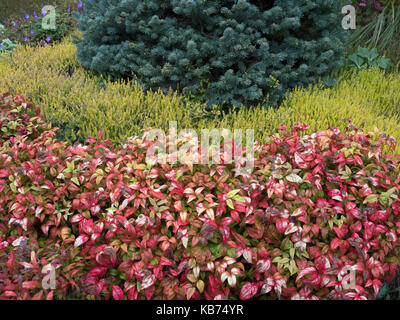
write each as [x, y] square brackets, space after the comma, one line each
[233, 50]
[53, 78]
[113, 226]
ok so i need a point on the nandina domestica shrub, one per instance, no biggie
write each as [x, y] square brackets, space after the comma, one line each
[314, 210]
[19, 117]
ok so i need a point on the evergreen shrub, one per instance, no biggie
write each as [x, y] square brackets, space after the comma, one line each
[236, 52]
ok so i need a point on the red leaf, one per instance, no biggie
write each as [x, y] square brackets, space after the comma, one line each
[9, 294]
[255, 233]
[117, 293]
[77, 218]
[248, 291]
[4, 173]
[306, 271]
[81, 240]
[30, 284]
[157, 194]
[335, 243]
[148, 281]
[50, 295]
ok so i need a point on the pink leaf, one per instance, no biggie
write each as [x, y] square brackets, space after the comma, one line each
[117, 293]
[263, 265]
[148, 281]
[248, 291]
[81, 240]
[77, 218]
[306, 271]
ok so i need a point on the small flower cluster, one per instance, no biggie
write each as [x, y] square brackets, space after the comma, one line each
[368, 9]
[28, 29]
[115, 227]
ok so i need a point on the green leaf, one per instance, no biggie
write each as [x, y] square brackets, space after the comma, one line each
[231, 252]
[384, 199]
[13, 187]
[232, 193]
[215, 250]
[356, 61]
[75, 180]
[383, 63]
[293, 267]
[238, 198]
[286, 244]
[364, 52]
[191, 277]
[229, 203]
[114, 272]
[292, 252]
[372, 198]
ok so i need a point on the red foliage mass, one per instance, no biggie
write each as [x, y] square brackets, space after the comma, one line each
[315, 210]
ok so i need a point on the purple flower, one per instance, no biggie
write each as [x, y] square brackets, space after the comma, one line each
[1, 46]
[26, 39]
[33, 32]
[79, 4]
[15, 25]
[27, 16]
[48, 39]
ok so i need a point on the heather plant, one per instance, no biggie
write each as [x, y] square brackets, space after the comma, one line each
[53, 78]
[314, 209]
[237, 52]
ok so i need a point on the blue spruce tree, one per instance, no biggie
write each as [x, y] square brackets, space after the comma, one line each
[238, 51]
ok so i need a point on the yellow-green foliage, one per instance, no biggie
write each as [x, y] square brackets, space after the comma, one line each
[81, 103]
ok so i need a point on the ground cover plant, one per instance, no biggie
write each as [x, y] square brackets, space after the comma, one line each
[114, 226]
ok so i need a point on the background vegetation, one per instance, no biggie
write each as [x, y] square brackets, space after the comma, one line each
[54, 79]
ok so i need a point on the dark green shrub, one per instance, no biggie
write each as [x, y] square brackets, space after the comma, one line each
[237, 52]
